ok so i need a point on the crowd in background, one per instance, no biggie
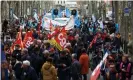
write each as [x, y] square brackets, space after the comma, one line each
[43, 61]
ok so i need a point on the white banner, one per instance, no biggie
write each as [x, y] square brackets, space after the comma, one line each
[70, 24]
[63, 22]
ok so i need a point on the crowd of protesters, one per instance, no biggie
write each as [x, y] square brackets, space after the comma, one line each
[42, 61]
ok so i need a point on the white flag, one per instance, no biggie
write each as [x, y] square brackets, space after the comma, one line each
[14, 16]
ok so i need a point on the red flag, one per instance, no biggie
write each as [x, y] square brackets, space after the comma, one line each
[53, 33]
[93, 41]
[28, 39]
[96, 71]
[61, 38]
[17, 41]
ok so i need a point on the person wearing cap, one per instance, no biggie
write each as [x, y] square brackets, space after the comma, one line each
[84, 61]
[75, 68]
[48, 70]
[125, 68]
[28, 72]
[112, 74]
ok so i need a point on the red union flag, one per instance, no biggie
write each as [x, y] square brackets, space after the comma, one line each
[17, 41]
[28, 39]
[53, 33]
[96, 71]
[61, 38]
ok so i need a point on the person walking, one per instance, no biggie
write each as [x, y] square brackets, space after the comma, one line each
[75, 68]
[63, 66]
[28, 72]
[84, 61]
[48, 70]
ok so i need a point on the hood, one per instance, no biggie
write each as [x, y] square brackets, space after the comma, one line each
[47, 65]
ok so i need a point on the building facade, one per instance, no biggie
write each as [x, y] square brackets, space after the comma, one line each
[22, 8]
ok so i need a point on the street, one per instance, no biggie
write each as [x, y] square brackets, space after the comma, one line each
[53, 39]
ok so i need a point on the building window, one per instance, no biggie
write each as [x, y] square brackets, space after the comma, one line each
[61, 2]
[64, 2]
[58, 2]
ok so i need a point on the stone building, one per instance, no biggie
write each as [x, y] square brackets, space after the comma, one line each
[22, 8]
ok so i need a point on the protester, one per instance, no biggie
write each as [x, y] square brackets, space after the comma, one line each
[53, 55]
[84, 61]
[95, 60]
[126, 68]
[45, 55]
[18, 69]
[63, 66]
[28, 72]
[36, 59]
[17, 52]
[25, 55]
[48, 70]
[112, 74]
[75, 68]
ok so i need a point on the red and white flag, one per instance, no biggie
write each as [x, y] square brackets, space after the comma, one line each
[96, 71]
[61, 38]
[28, 39]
